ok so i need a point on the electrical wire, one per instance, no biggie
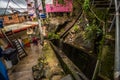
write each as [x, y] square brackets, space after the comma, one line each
[6, 7]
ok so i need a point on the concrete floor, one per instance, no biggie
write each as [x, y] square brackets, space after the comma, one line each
[23, 70]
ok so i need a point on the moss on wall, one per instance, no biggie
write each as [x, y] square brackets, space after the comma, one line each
[107, 63]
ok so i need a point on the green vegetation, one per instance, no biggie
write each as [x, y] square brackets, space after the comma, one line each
[76, 28]
[52, 35]
[91, 28]
[86, 5]
[91, 32]
[107, 62]
[61, 1]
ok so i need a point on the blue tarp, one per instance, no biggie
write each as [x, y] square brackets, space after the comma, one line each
[3, 72]
[1, 52]
[1, 23]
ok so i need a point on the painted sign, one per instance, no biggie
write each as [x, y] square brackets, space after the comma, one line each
[43, 15]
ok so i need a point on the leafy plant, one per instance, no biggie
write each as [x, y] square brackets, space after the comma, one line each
[52, 35]
[76, 28]
[92, 31]
[61, 1]
[86, 5]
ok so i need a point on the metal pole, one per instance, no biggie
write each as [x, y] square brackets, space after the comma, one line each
[39, 21]
[117, 45]
[43, 6]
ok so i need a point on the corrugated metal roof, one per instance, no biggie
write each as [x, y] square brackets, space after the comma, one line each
[19, 5]
[2, 11]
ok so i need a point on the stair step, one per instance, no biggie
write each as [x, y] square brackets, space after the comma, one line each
[112, 9]
[112, 14]
[21, 55]
[18, 46]
[102, 2]
[109, 21]
[20, 50]
[104, 5]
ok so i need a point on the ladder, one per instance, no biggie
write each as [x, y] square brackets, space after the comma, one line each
[21, 52]
[11, 38]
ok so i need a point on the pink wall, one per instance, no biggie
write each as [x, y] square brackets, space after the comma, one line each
[67, 7]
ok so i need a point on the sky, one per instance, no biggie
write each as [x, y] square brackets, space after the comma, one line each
[16, 4]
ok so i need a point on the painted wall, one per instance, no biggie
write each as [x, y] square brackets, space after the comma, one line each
[56, 7]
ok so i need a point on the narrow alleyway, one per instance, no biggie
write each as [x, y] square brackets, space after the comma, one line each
[23, 70]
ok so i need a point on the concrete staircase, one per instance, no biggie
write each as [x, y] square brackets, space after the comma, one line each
[106, 4]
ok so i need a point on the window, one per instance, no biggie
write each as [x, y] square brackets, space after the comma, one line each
[29, 5]
[10, 17]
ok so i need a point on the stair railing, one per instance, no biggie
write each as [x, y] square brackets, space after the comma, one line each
[111, 1]
[113, 21]
[93, 2]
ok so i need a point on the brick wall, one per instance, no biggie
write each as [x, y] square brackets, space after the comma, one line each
[12, 19]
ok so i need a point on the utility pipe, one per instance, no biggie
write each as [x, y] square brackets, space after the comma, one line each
[117, 45]
[39, 21]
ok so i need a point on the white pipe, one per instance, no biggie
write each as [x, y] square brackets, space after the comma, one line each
[117, 45]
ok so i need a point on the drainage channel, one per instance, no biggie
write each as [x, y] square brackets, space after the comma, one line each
[67, 65]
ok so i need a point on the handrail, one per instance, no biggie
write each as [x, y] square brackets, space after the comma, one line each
[93, 2]
[113, 21]
[110, 4]
[79, 15]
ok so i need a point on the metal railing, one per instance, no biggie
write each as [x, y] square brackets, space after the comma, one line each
[113, 21]
[117, 43]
